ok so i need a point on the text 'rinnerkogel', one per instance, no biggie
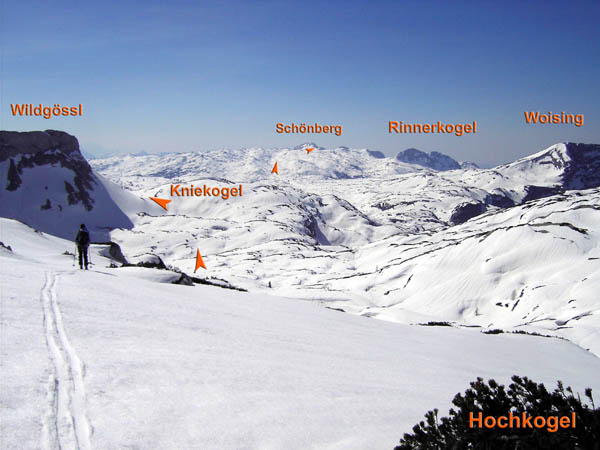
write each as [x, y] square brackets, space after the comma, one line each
[442, 128]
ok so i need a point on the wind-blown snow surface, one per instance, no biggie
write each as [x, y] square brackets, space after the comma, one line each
[112, 358]
[378, 241]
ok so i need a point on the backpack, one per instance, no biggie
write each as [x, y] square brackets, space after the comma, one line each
[83, 238]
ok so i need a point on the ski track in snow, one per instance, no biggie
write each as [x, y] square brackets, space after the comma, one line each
[65, 424]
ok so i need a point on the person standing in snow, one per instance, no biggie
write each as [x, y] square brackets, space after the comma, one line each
[83, 242]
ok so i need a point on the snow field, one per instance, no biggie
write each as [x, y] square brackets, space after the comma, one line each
[160, 366]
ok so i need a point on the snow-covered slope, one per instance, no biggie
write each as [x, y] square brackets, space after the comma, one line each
[382, 244]
[369, 233]
[122, 358]
[534, 267]
[531, 267]
[117, 358]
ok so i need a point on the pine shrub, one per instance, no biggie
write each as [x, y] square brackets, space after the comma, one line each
[492, 399]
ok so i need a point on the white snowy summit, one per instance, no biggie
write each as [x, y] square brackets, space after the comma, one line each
[129, 355]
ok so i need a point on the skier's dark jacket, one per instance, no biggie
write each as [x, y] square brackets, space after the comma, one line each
[83, 238]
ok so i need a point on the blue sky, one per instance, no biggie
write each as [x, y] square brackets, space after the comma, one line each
[183, 76]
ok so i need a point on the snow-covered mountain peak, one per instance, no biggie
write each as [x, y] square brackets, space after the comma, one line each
[553, 158]
[306, 145]
[560, 167]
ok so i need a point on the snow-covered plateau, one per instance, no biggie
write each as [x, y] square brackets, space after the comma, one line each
[124, 356]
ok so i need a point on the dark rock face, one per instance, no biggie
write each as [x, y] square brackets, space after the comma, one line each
[583, 171]
[151, 262]
[50, 147]
[184, 280]
[466, 211]
[46, 205]
[535, 192]
[499, 201]
[115, 253]
[313, 230]
[13, 143]
[14, 180]
[440, 161]
[414, 156]
[433, 160]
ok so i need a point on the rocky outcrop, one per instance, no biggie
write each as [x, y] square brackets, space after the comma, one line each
[499, 200]
[583, 169]
[148, 260]
[184, 280]
[466, 211]
[13, 143]
[115, 252]
[29, 149]
[536, 192]
[433, 160]
[47, 184]
[14, 180]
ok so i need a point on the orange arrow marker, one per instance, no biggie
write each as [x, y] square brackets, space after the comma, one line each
[309, 149]
[161, 201]
[199, 261]
[275, 169]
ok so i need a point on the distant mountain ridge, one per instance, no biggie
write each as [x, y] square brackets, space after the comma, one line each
[457, 197]
[253, 164]
[370, 235]
[468, 192]
[432, 160]
[454, 198]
